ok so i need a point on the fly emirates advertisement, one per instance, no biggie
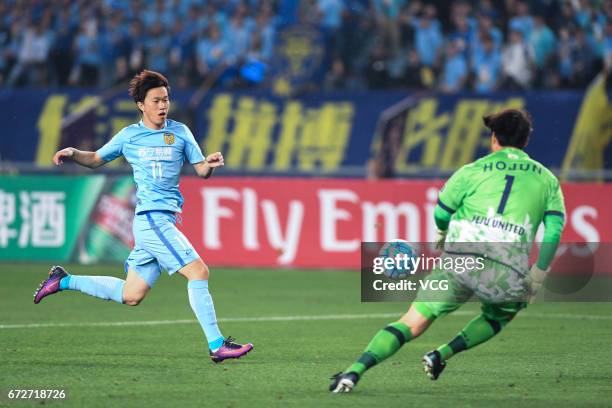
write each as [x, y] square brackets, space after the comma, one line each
[320, 223]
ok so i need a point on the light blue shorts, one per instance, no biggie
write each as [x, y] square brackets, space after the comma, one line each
[158, 245]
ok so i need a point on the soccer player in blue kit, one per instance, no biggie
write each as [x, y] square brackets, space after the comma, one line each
[156, 148]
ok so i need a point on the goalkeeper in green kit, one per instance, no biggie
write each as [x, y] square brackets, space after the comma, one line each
[490, 209]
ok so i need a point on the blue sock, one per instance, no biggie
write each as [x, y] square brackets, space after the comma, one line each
[103, 287]
[65, 282]
[202, 304]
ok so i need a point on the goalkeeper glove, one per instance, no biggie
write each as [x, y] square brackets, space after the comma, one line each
[535, 280]
[441, 239]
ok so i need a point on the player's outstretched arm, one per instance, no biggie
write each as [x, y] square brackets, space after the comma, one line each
[206, 168]
[84, 158]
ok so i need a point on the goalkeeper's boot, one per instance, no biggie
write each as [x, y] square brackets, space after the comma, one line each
[51, 285]
[343, 382]
[229, 349]
[433, 365]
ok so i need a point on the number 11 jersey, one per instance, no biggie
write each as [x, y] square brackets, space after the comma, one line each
[156, 157]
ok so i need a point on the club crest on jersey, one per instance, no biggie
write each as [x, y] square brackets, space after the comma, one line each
[169, 138]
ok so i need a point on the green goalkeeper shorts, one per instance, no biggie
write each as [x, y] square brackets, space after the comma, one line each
[500, 289]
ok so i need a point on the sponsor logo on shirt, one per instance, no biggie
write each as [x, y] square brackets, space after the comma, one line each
[155, 153]
[498, 223]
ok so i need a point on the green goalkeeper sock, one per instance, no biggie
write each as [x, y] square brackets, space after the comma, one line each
[479, 330]
[382, 346]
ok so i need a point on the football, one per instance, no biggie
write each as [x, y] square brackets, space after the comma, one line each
[403, 266]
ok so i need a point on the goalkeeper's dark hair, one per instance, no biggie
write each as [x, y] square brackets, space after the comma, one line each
[145, 80]
[512, 127]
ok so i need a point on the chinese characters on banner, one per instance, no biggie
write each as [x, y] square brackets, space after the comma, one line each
[42, 219]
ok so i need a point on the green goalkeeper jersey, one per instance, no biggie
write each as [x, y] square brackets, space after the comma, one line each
[500, 198]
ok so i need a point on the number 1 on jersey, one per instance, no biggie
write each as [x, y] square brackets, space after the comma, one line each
[156, 168]
[506, 193]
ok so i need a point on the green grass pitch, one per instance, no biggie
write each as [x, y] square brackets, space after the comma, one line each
[306, 325]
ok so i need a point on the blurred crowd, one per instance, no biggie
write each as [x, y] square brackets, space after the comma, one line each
[104, 42]
[480, 45]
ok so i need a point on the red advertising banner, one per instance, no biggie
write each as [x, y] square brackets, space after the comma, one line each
[320, 223]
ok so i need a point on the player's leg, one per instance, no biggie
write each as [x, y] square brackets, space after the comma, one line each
[174, 252]
[488, 324]
[421, 314]
[391, 338]
[141, 263]
[201, 303]
[102, 287]
[137, 285]
[140, 279]
[499, 296]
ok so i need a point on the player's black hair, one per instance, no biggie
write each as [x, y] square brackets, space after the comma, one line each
[145, 80]
[512, 127]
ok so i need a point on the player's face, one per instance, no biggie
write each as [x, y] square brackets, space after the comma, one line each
[155, 107]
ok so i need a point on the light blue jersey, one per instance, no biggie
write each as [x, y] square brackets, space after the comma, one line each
[156, 156]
